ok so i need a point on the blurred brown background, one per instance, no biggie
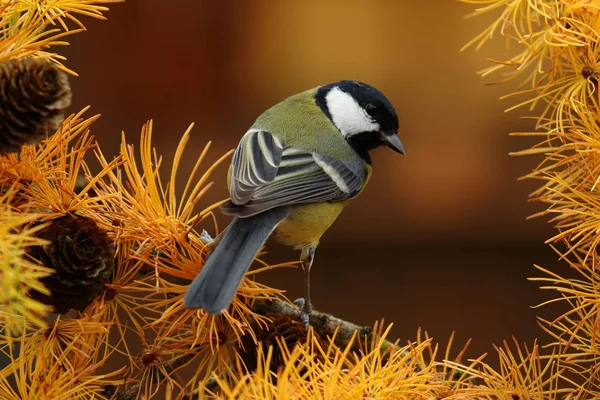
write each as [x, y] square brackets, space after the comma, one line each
[439, 239]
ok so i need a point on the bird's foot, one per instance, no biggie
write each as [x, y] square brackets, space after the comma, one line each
[209, 242]
[205, 237]
[305, 311]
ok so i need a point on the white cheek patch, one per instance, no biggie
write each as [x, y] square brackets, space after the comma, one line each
[347, 114]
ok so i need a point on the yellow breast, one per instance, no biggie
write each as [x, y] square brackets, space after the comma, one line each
[307, 223]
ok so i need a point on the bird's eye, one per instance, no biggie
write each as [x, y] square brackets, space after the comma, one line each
[372, 110]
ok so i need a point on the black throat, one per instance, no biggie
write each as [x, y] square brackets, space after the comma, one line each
[363, 142]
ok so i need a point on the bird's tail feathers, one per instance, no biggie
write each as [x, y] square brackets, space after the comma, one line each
[216, 284]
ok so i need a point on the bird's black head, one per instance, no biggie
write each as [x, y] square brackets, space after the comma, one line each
[363, 115]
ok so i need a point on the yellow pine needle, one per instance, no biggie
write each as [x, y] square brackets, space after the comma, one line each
[46, 174]
[523, 374]
[57, 376]
[551, 50]
[144, 209]
[28, 27]
[558, 48]
[319, 369]
[82, 336]
[19, 274]
[576, 329]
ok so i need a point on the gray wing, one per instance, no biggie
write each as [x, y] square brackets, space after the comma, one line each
[266, 174]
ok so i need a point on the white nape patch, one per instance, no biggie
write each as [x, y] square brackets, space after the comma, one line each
[347, 114]
[333, 174]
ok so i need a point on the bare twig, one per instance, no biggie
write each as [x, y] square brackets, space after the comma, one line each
[324, 324]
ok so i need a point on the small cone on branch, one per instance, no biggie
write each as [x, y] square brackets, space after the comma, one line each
[82, 257]
[33, 96]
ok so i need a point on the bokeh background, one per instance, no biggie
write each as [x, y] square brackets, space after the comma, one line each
[439, 239]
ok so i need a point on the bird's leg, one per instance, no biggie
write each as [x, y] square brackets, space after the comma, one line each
[307, 257]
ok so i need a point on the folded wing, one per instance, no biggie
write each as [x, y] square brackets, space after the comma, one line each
[267, 174]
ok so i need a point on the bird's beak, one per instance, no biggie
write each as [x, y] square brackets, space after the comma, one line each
[390, 139]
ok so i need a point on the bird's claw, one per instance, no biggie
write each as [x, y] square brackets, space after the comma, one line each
[209, 242]
[304, 312]
[205, 237]
[305, 318]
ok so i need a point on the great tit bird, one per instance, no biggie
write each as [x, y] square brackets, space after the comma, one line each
[293, 172]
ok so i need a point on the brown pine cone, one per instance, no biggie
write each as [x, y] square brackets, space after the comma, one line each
[33, 96]
[288, 328]
[82, 256]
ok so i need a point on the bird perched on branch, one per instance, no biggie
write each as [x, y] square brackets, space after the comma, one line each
[293, 172]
